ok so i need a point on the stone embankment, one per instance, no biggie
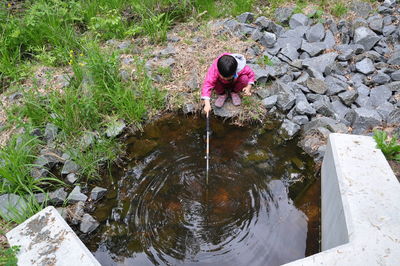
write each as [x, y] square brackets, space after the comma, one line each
[332, 76]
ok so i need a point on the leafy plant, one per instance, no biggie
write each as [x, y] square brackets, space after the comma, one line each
[265, 60]
[8, 256]
[389, 147]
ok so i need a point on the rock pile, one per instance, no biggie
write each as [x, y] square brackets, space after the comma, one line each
[327, 77]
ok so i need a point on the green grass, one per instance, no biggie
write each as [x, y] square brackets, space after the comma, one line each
[265, 61]
[390, 148]
[339, 9]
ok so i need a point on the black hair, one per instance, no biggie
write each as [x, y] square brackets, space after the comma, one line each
[227, 65]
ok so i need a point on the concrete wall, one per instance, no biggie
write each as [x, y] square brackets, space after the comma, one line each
[46, 239]
[360, 206]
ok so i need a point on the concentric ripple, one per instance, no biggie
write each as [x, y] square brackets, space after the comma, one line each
[243, 216]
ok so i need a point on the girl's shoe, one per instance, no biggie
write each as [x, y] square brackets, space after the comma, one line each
[235, 99]
[219, 102]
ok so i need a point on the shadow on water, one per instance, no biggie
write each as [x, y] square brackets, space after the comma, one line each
[261, 206]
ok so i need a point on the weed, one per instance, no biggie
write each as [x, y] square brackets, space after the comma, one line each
[339, 9]
[265, 61]
[389, 147]
[15, 166]
[8, 256]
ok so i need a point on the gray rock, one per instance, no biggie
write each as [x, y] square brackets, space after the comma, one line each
[335, 85]
[385, 109]
[38, 172]
[267, 39]
[115, 128]
[282, 14]
[87, 139]
[262, 22]
[58, 196]
[257, 35]
[172, 38]
[88, 224]
[340, 109]
[261, 74]
[76, 195]
[361, 9]
[71, 178]
[316, 85]
[50, 133]
[395, 75]
[394, 86]
[389, 3]
[359, 22]
[48, 158]
[15, 96]
[70, 167]
[314, 73]
[365, 37]
[289, 129]
[313, 49]
[363, 119]
[384, 10]
[188, 108]
[246, 17]
[12, 206]
[304, 108]
[312, 97]
[379, 95]
[290, 52]
[275, 28]
[365, 66]
[97, 193]
[324, 108]
[376, 24]
[363, 90]
[394, 117]
[380, 78]
[77, 212]
[63, 212]
[228, 110]
[329, 40]
[346, 54]
[300, 119]
[348, 97]
[286, 97]
[316, 33]
[395, 58]
[320, 63]
[269, 102]
[168, 51]
[389, 30]
[298, 20]
[324, 122]
[124, 45]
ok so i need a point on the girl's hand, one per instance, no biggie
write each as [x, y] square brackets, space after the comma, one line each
[247, 90]
[207, 106]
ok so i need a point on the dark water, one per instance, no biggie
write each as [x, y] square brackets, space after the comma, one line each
[253, 212]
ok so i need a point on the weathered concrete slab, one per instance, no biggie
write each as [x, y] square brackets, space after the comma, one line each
[46, 239]
[360, 210]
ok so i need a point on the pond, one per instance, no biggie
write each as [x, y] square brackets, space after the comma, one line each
[260, 207]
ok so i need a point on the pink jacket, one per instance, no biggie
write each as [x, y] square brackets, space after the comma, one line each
[213, 74]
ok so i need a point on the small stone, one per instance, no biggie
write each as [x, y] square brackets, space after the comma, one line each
[76, 195]
[124, 45]
[389, 30]
[58, 196]
[329, 40]
[269, 102]
[379, 95]
[316, 33]
[317, 85]
[395, 58]
[320, 63]
[298, 20]
[360, 8]
[50, 132]
[348, 97]
[12, 206]
[97, 193]
[246, 17]
[282, 14]
[188, 108]
[324, 107]
[300, 119]
[87, 139]
[380, 78]
[394, 117]
[290, 52]
[71, 178]
[70, 167]
[365, 37]
[115, 128]
[365, 66]
[304, 108]
[267, 39]
[88, 224]
[395, 75]
[313, 49]
[289, 129]
[363, 119]
[172, 38]
[63, 212]
[261, 74]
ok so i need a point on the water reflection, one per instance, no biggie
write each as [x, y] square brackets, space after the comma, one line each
[167, 215]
